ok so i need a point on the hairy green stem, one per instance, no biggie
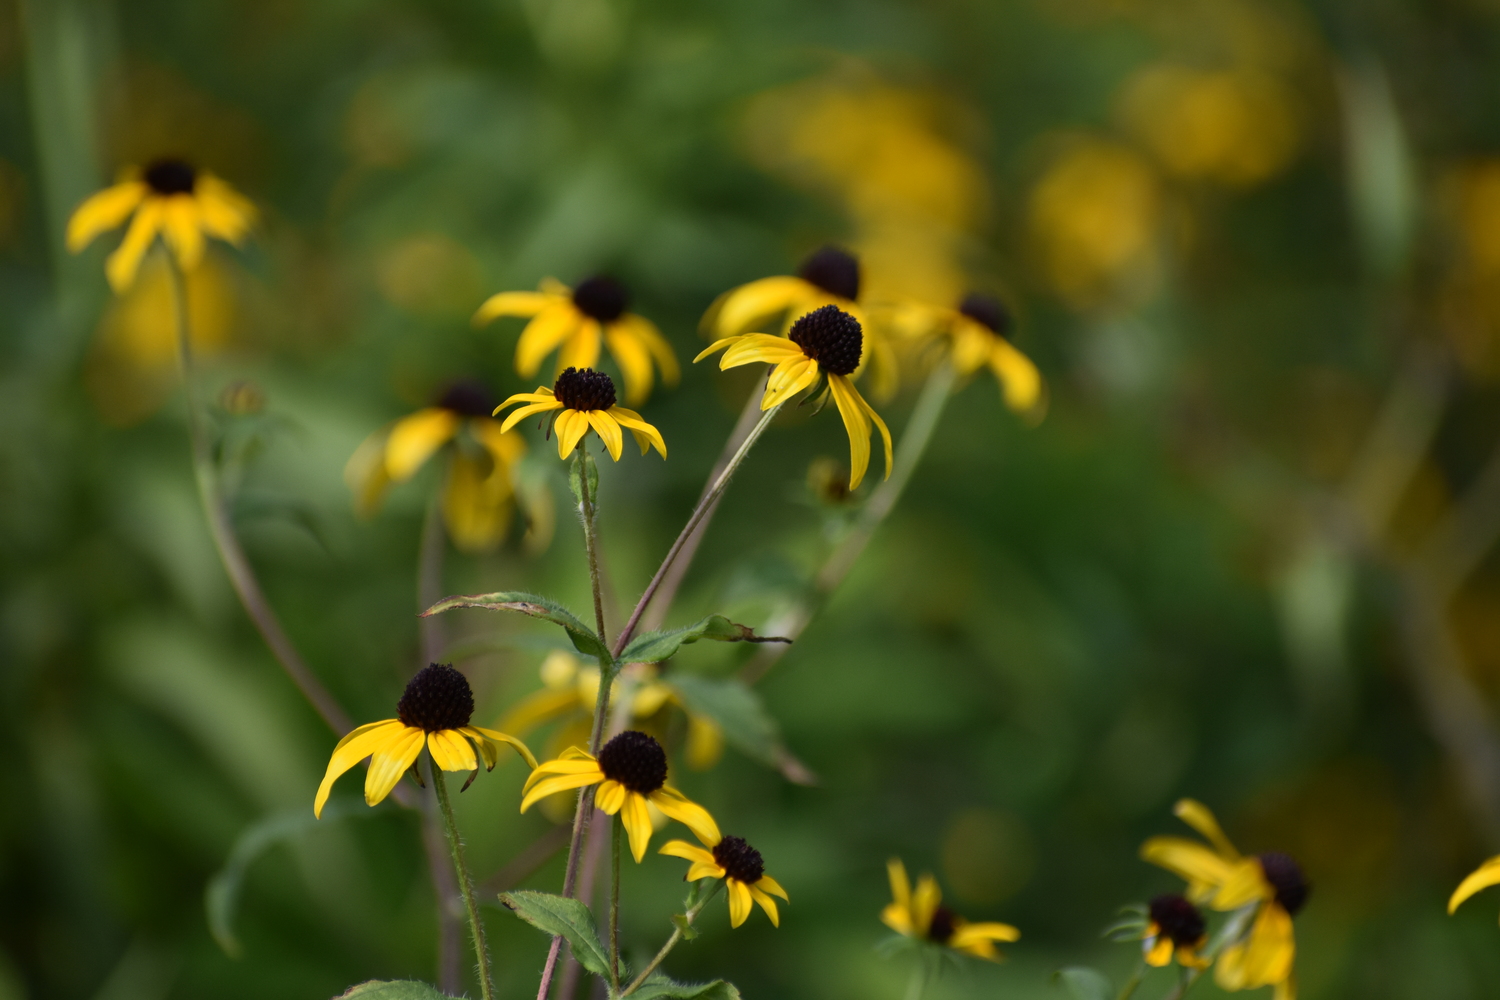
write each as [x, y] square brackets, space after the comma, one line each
[465, 883]
[688, 918]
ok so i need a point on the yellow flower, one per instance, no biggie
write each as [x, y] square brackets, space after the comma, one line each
[1220, 876]
[171, 198]
[631, 771]
[975, 335]
[577, 319]
[822, 348]
[480, 489]
[434, 712]
[1483, 877]
[587, 399]
[827, 277]
[741, 868]
[921, 916]
[1176, 926]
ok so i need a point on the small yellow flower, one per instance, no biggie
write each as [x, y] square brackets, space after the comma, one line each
[1220, 876]
[1176, 927]
[1483, 877]
[739, 865]
[433, 712]
[975, 335]
[821, 349]
[587, 399]
[631, 771]
[921, 916]
[577, 320]
[479, 492]
[168, 197]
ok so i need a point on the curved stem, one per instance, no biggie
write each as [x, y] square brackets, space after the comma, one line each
[465, 883]
[688, 918]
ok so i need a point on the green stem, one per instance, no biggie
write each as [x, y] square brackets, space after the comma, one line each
[616, 828]
[465, 883]
[1134, 982]
[917, 984]
[672, 941]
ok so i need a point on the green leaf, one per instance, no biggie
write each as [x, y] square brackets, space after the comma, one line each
[682, 923]
[738, 711]
[396, 989]
[659, 987]
[1083, 983]
[584, 639]
[568, 917]
[654, 647]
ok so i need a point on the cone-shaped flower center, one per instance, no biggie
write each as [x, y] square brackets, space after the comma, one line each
[635, 760]
[831, 337]
[944, 923]
[171, 177]
[1286, 877]
[469, 397]
[987, 311]
[1178, 919]
[584, 389]
[833, 270]
[739, 860]
[437, 698]
[602, 298]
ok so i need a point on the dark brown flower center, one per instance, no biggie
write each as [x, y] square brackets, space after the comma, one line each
[1286, 877]
[831, 337]
[584, 389]
[833, 270]
[602, 298]
[1178, 919]
[635, 760]
[437, 698]
[944, 923]
[987, 311]
[468, 397]
[171, 177]
[739, 860]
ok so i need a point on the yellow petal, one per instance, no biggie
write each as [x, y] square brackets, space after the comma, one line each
[987, 931]
[705, 743]
[787, 379]
[359, 744]
[413, 440]
[885, 432]
[1246, 883]
[751, 304]
[1266, 956]
[121, 266]
[880, 368]
[505, 447]
[924, 903]
[1198, 816]
[610, 796]
[661, 351]
[858, 428]
[898, 918]
[637, 820]
[512, 304]
[222, 211]
[495, 736]
[183, 232]
[390, 763]
[608, 430]
[645, 434]
[634, 359]
[365, 474]
[581, 349]
[571, 426]
[900, 884]
[689, 814]
[760, 347]
[103, 211]
[537, 708]
[1483, 877]
[703, 869]
[766, 903]
[549, 328]
[476, 502]
[450, 751]
[1021, 381]
[563, 765]
[769, 884]
[1160, 952]
[1188, 859]
[979, 948]
[739, 901]
[687, 852]
[517, 416]
[560, 783]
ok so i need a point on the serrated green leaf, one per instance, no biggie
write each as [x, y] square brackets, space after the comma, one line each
[1083, 983]
[396, 989]
[653, 647]
[568, 917]
[584, 639]
[659, 987]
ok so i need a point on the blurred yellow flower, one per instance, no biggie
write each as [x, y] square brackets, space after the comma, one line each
[921, 916]
[631, 772]
[586, 399]
[1220, 876]
[1175, 927]
[480, 489]
[819, 353]
[168, 197]
[577, 320]
[434, 712]
[975, 336]
[739, 865]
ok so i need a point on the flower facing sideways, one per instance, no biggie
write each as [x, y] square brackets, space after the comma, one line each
[920, 915]
[586, 399]
[434, 712]
[169, 197]
[975, 335]
[1175, 927]
[739, 865]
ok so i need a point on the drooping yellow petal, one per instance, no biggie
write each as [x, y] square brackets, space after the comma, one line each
[705, 743]
[359, 744]
[222, 210]
[610, 796]
[769, 884]
[414, 438]
[365, 474]
[390, 762]
[488, 752]
[495, 736]
[637, 820]
[634, 359]
[1265, 957]
[689, 814]
[571, 426]
[885, 432]
[563, 765]
[581, 349]
[1198, 816]
[857, 426]
[748, 305]
[121, 266]
[512, 304]
[360, 731]
[760, 347]
[787, 379]
[1019, 378]
[1159, 951]
[703, 869]
[504, 447]
[1246, 883]
[987, 931]
[1483, 877]
[1187, 858]
[553, 325]
[898, 918]
[517, 416]
[183, 230]
[450, 751]
[661, 351]
[476, 503]
[766, 903]
[537, 708]
[645, 434]
[924, 903]
[608, 430]
[560, 783]
[102, 211]
[1286, 989]
[739, 901]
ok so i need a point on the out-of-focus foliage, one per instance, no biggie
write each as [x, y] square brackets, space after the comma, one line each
[1254, 246]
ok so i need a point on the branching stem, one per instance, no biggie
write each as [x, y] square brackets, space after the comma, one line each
[688, 918]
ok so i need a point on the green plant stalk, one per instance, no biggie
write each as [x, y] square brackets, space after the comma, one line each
[616, 828]
[689, 917]
[465, 883]
[1134, 982]
[916, 985]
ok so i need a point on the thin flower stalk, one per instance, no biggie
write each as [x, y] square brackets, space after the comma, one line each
[617, 828]
[465, 883]
[661, 955]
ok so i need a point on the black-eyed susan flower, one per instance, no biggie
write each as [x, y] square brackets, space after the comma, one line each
[976, 336]
[168, 197]
[1175, 927]
[586, 398]
[434, 712]
[739, 865]
[631, 771]
[1483, 877]
[479, 492]
[920, 915]
[1218, 875]
[819, 352]
[828, 276]
[575, 321]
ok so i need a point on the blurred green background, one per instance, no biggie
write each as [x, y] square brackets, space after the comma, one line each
[1253, 246]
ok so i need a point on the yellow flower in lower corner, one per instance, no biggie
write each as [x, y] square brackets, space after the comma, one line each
[819, 353]
[921, 915]
[631, 771]
[1217, 874]
[586, 399]
[169, 197]
[1177, 929]
[739, 865]
[434, 712]
[975, 334]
